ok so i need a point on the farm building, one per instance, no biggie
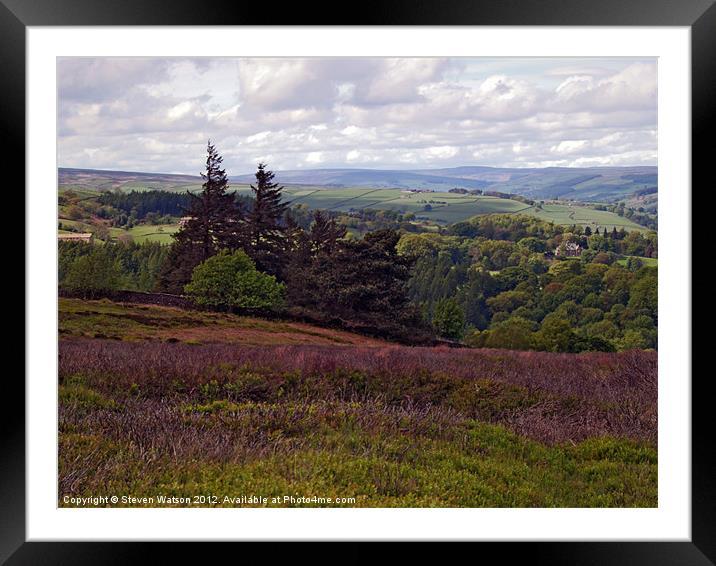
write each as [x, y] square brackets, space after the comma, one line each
[568, 249]
[86, 237]
[184, 219]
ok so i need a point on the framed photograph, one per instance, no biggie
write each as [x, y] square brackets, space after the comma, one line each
[389, 279]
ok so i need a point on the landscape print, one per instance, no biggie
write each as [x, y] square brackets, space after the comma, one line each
[357, 282]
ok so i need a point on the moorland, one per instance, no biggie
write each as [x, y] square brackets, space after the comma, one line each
[391, 346]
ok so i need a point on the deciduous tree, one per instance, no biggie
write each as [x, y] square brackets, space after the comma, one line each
[228, 281]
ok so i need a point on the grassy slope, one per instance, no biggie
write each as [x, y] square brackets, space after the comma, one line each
[166, 436]
[581, 215]
[446, 207]
[596, 184]
[106, 319]
[148, 232]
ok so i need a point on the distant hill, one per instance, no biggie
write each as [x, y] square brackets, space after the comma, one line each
[601, 184]
[374, 179]
[594, 184]
[101, 180]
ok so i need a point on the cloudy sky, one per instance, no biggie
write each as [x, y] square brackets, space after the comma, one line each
[156, 114]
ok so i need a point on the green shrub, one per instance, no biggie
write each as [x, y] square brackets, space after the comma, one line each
[229, 281]
[75, 393]
[220, 406]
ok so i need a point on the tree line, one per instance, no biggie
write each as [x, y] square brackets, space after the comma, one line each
[141, 203]
[359, 284]
[93, 270]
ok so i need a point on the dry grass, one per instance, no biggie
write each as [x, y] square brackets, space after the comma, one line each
[133, 322]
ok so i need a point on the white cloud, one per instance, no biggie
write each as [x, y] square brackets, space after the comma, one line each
[398, 80]
[441, 152]
[260, 137]
[157, 114]
[314, 157]
[634, 87]
[176, 112]
[569, 146]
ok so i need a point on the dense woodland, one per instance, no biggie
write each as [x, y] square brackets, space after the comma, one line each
[502, 281]
[498, 283]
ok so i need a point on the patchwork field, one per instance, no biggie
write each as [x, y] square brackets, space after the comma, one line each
[141, 233]
[437, 207]
[583, 216]
[448, 208]
[163, 401]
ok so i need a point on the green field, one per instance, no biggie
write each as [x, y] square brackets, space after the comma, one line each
[583, 216]
[142, 233]
[148, 233]
[441, 208]
[444, 208]
[447, 208]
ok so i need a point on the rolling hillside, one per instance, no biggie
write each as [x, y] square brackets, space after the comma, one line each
[595, 184]
[437, 207]
[598, 184]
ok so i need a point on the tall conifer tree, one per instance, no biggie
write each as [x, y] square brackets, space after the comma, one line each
[266, 224]
[325, 233]
[213, 223]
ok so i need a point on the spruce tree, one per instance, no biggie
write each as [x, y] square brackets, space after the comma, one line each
[266, 224]
[360, 284]
[214, 223]
[308, 254]
[325, 232]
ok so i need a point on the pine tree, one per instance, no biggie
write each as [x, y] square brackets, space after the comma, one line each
[214, 223]
[266, 224]
[325, 233]
[308, 254]
[360, 284]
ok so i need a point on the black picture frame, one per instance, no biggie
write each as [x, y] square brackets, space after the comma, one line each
[17, 15]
